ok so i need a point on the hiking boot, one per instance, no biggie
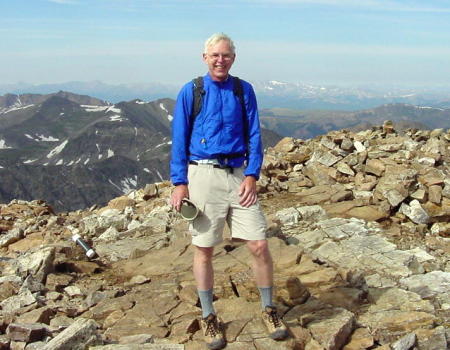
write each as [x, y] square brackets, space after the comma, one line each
[212, 333]
[274, 324]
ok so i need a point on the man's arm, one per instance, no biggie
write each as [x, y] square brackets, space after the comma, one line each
[180, 146]
[247, 190]
[254, 146]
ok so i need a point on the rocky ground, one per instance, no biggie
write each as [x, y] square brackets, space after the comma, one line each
[359, 232]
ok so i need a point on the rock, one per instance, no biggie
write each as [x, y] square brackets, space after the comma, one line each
[415, 212]
[4, 342]
[360, 339]
[27, 333]
[16, 302]
[404, 343]
[420, 195]
[120, 203]
[139, 347]
[285, 145]
[330, 327]
[429, 284]
[431, 339]
[296, 291]
[397, 299]
[387, 326]
[318, 173]
[326, 158]
[441, 229]
[12, 236]
[81, 333]
[57, 282]
[38, 263]
[435, 194]
[311, 213]
[189, 294]
[367, 212]
[359, 147]
[40, 315]
[73, 291]
[150, 191]
[139, 279]
[375, 167]
[345, 169]
[137, 339]
[288, 216]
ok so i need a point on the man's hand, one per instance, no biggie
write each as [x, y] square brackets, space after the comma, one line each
[247, 192]
[180, 192]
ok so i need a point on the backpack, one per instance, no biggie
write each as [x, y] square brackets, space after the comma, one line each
[197, 103]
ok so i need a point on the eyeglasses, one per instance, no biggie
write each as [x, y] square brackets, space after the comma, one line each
[225, 56]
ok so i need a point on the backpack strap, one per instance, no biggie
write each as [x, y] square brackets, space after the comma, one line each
[239, 92]
[197, 101]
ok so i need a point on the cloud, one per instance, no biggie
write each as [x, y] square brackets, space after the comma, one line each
[379, 5]
[64, 2]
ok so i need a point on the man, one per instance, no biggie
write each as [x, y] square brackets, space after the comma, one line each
[216, 166]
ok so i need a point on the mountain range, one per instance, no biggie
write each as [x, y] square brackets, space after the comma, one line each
[75, 151]
[306, 124]
[271, 94]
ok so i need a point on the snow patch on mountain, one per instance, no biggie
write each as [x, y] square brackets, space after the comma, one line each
[28, 161]
[170, 117]
[113, 109]
[39, 138]
[116, 118]
[3, 145]
[15, 107]
[92, 108]
[128, 184]
[57, 149]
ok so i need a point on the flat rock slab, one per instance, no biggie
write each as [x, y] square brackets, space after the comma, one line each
[139, 347]
[77, 336]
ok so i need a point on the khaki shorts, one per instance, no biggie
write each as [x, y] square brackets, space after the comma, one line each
[215, 192]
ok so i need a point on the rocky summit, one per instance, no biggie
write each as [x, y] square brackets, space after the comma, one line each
[358, 224]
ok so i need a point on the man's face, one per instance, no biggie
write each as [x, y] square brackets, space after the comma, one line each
[219, 59]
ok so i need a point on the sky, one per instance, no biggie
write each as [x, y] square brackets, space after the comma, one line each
[341, 42]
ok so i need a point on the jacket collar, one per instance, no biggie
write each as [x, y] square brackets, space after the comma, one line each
[208, 78]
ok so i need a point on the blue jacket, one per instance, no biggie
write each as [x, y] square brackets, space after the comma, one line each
[217, 130]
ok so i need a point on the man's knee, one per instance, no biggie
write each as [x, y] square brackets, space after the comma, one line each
[203, 254]
[259, 249]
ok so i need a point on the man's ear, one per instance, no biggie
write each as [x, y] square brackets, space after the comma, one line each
[204, 56]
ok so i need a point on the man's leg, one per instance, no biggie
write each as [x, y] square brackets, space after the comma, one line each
[263, 270]
[204, 276]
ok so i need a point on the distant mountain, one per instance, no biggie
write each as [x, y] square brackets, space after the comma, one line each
[271, 94]
[305, 96]
[108, 92]
[75, 151]
[307, 124]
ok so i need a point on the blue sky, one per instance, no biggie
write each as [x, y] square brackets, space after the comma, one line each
[344, 42]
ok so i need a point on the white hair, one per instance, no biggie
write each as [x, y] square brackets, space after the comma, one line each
[215, 38]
